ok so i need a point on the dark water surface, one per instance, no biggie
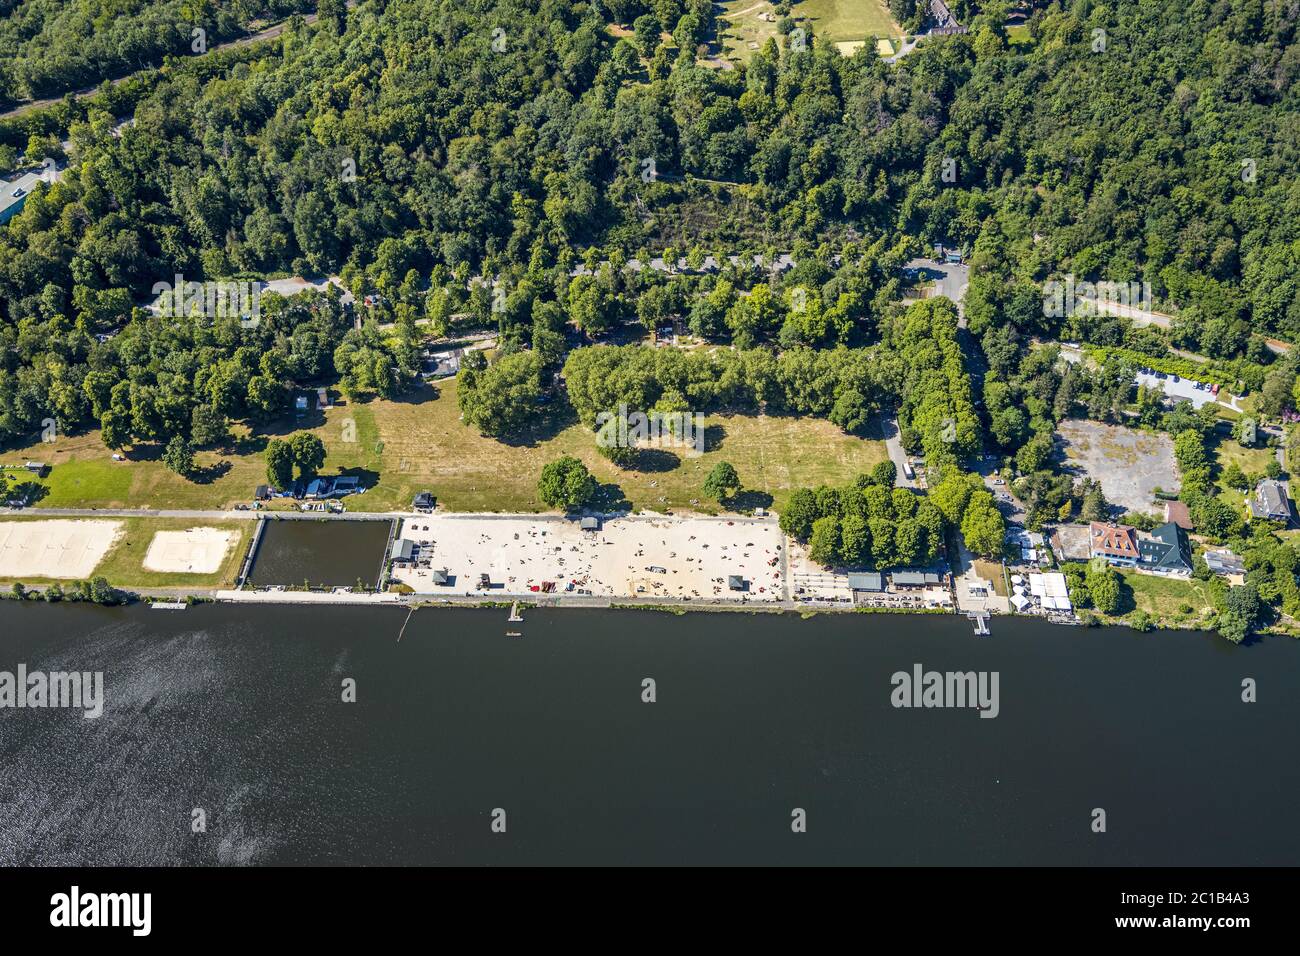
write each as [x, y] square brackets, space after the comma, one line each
[329, 553]
[237, 710]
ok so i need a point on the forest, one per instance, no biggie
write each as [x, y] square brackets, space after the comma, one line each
[478, 164]
[49, 47]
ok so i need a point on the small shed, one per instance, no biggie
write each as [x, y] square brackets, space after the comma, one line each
[423, 501]
[440, 577]
[589, 524]
[262, 492]
[736, 583]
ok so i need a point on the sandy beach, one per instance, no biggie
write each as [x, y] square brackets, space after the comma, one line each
[194, 551]
[69, 549]
[632, 556]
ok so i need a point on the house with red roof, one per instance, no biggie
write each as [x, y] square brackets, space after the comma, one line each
[1117, 543]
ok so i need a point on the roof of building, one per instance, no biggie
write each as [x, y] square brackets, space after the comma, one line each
[1224, 562]
[915, 577]
[735, 582]
[1051, 589]
[439, 577]
[1270, 500]
[1166, 549]
[423, 499]
[866, 581]
[402, 550]
[1176, 511]
[589, 524]
[1113, 540]
[16, 192]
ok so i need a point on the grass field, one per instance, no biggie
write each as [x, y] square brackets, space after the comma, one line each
[123, 566]
[419, 446]
[1249, 460]
[398, 448]
[1165, 599]
[833, 21]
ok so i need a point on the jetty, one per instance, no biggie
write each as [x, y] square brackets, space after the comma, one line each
[247, 567]
[981, 619]
[168, 606]
[514, 613]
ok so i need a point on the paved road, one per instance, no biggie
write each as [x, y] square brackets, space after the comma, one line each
[201, 515]
[950, 278]
[889, 425]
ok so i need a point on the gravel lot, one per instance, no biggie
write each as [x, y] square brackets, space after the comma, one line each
[1130, 464]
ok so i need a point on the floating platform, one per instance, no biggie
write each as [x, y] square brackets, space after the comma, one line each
[168, 605]
[514, 613]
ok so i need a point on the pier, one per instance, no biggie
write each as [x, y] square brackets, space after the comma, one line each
[981, 619]
[247, 568]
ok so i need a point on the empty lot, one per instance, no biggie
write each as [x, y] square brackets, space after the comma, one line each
[1130, 464]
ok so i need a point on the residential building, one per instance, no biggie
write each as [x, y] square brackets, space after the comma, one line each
[1226, 565]
[1270, 501]
[1116, 543]
[1166, 551]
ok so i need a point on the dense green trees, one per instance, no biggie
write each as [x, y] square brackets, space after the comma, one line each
[722, 481]
[504, 397]
[868, 523]
[304, 451]
[48, 47]
[566, 483]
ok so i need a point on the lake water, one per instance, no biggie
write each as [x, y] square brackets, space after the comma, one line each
[238, 711]
[327, 553]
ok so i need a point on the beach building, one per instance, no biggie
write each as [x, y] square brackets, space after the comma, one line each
[402, 552]
[1270, 501]
[1117, 544]
[1050, 590]
[869, 582]
[589, 524]
[736, 583]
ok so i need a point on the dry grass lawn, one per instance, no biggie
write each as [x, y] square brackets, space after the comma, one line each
[398, 448]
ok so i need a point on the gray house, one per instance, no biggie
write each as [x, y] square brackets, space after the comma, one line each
[1270, 501]
[1166, 551]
